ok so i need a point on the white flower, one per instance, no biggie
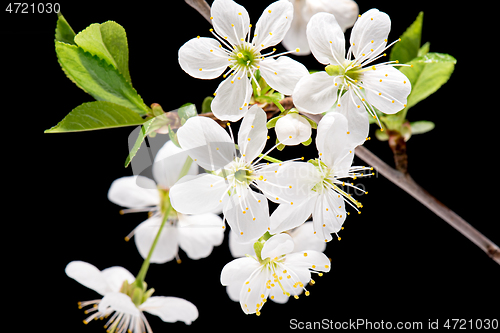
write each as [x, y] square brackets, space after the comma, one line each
[115, 284]
[194, 234]
[376, 86]
[315, 188]
[277, 273]
[293, 128]
[231, 175]
[345, 11]
[208, 58]
[301, 237]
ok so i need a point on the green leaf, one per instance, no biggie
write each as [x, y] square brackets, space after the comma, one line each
[421, 126]
[424, 49]
[64, 33]
[107, 41]
[145, 130]
[427, 75]
[99, 79]
[187, 111]
[96, 115]
[206, 105]
[408, 47]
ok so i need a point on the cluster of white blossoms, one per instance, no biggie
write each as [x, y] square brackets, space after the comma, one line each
[241, 178]
[276, 252]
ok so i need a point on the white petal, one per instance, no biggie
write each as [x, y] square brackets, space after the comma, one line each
[238, 270]
[277, 246]
[282, 74]
[134, 192]
[88, 275]
[198, 195]
[328, 216]
[315, 93]
[171, 309]
[115, 276]
[273, 24]
[238, 249]
[277, 295]
[168, 164]
[319, 260]
[118, 302]
[167, 246]
[357, 117]
[254, 292]
[249, 218]
[293, 129]
[304, 239]
[198, 234]
[292, 182]
[386, 88]
[252, 135]
[326, 39]
[287, 217]
[332, 140]
[230, 20]
[232, 97]
[345, 11]
[206, 142]
[202, 58]
[370, 32]
[296, 36]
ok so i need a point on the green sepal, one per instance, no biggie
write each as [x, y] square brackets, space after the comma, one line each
[156, 109]
[257, 247]
[421, 126]
[137, 296]
[206, 105]
[272, 122]
[147, 295]
[281, 146]
[311, 122]
[307, 142]
[381, 135]
[95, 116]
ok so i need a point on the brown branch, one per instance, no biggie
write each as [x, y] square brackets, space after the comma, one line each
[202, 7]
[405, 182]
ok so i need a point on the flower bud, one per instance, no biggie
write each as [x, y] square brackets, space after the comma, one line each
[292, 129]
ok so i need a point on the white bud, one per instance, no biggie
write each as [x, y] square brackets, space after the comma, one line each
[292, 129]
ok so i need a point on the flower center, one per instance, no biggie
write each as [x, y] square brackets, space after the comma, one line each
[353, 73]
[245, 55]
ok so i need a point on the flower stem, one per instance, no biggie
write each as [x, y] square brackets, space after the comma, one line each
[145, 265]
[168, 207]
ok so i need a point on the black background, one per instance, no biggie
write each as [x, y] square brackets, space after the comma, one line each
[396, 261]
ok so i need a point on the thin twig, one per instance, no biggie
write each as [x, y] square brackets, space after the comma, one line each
[405, 182]
[202, 7]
